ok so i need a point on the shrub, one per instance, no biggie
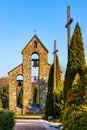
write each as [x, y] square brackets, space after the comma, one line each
[75, 119]
[0, 103]
[6, 120]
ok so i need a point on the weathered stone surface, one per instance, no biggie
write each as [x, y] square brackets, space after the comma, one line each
[43, 94]
[13, 87]
[34, 46]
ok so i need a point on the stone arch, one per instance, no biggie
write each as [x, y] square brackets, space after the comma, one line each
[19, 89]
[19, 79]
[35, 66]
[35, 78]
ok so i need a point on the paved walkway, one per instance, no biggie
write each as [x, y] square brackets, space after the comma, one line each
[33, 124]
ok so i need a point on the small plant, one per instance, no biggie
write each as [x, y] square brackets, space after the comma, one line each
[6, 120]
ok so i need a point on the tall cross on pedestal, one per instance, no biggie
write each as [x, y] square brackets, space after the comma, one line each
[69, 21]
[55, 51]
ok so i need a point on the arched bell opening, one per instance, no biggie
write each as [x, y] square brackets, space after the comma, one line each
[35, 80]
[19, 91]
[35, 67]
[19, 80]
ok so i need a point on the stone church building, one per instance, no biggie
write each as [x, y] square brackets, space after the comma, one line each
[34, 71]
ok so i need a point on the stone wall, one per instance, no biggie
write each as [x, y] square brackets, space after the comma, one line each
[43, 94]
[13, 87]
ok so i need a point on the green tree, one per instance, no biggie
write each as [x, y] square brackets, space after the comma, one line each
[75, 116]
[59, 89]
[4, 96]
[49, 109]
[84, 86]
[76, 62]
[75, 112]
[36, 95]
[20, 97]
[0, 103]
[50, 93]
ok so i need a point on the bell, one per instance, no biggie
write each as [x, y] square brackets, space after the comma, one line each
[34, 78]
[35, 63]
[19, 82]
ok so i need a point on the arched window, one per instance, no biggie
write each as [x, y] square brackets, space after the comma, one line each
[19, 80]
[35, 44]
[35, 67]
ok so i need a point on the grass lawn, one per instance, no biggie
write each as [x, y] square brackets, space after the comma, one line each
[30, 116]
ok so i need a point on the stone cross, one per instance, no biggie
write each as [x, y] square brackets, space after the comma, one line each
[69, 21]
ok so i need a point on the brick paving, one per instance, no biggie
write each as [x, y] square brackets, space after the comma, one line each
[30, 125]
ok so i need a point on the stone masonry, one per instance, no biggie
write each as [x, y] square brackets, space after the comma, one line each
[24, 69]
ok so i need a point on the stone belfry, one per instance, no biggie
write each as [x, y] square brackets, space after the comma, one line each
[34, 46]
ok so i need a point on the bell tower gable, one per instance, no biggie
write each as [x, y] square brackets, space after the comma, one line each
[34, 45]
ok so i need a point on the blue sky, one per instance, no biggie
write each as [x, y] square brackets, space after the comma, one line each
[19, 19]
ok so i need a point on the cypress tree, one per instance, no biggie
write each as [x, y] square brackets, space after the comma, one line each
[76, 61]
[59, 89]
[49, 110]
[83, 85]
[76, 85]
[20, 97]
[0, 103]
[76, 113]
[50, 93]
[36, 95]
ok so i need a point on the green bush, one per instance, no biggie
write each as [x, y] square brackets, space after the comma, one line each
[75, 119]
[6, 120]
[0, 103]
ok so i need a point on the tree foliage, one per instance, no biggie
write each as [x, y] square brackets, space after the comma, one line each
[4, 96]
[59, 89]
[0, 103]
[50, 93]
[36, 95]
[4, 81]
[75, 89]
[76, 60]
[7, 120]
[49, 109]
[20, 97]
[75, 115]
[75, 118]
